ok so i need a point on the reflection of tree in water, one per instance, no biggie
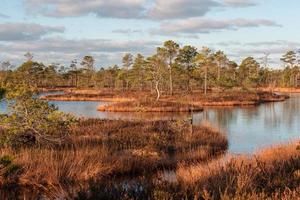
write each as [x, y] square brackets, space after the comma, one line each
[251, 113]
[251, 128]
[286, 113]
[225, 117]
[274, 114]
[218, 117]
[291, 111]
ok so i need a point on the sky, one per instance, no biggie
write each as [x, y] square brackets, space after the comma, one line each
[58, 31]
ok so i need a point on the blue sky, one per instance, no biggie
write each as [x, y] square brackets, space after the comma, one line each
[61, 30]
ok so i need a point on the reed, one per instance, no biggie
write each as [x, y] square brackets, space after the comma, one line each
[270, 174]
[150, 106]
[102, 150]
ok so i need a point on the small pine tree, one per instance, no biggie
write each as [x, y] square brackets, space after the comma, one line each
[32, 121]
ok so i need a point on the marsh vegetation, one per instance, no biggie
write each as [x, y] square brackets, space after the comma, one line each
[101, 150]
[46, 153]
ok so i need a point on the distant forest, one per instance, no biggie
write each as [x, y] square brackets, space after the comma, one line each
[171, 68]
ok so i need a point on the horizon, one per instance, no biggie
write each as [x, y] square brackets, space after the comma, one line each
[60, 31]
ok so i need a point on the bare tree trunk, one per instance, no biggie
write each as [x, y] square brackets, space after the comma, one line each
[189, 85]
[219, 75]
[76, 80]
[127, 85]
[205, 81]
[171, 78]
[219, 71]
[141, 86]
[157, 90]
[296, 81]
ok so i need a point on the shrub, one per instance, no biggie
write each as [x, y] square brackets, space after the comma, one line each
[31, 120]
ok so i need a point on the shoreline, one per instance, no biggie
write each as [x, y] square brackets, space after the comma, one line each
[145, 106]
[62, 98]
[142, 106]
[130, 101]
[281, 90]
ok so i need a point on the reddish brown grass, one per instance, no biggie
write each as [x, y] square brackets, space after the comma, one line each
[145, 101]
[281, 90]
[99, 149]
[273, 173]
[150, 106]
[195, 101]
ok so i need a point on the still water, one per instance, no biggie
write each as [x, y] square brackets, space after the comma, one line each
[249, 129]
[253, 128]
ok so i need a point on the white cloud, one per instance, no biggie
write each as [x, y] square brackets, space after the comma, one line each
[26, 31]
[181, 8]
[275, 49]
[200, 25]
[73, 8]
[137, 9]
[75, 46]
[273, 43]
[239, 3]
[128, 31]
[49, 50]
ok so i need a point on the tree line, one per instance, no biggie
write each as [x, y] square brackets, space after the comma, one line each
[172, 68]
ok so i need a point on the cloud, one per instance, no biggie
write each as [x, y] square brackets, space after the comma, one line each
[237, 50]
[75, 46]
[3, 15]
[26, 31]
[181, 8]
[50, 50]
[134, 9]
[275, 48]
[127, 31]
[199, 25]
[227, 43]
[239, 3]
[101, 59]
[273, 43]
[74, 8]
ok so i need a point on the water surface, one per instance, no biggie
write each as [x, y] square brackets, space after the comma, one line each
[249, 129]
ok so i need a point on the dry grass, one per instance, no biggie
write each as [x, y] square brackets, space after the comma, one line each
[150, 106]
[232, 98]
[270, 174]
[55, 89]
[144, 101]
[273, 174]
[101, 149]
[106, 97]
[95, 95]
[195, 101]
[282, 90]
[51, 171]
[101, 156]
[151, 145]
